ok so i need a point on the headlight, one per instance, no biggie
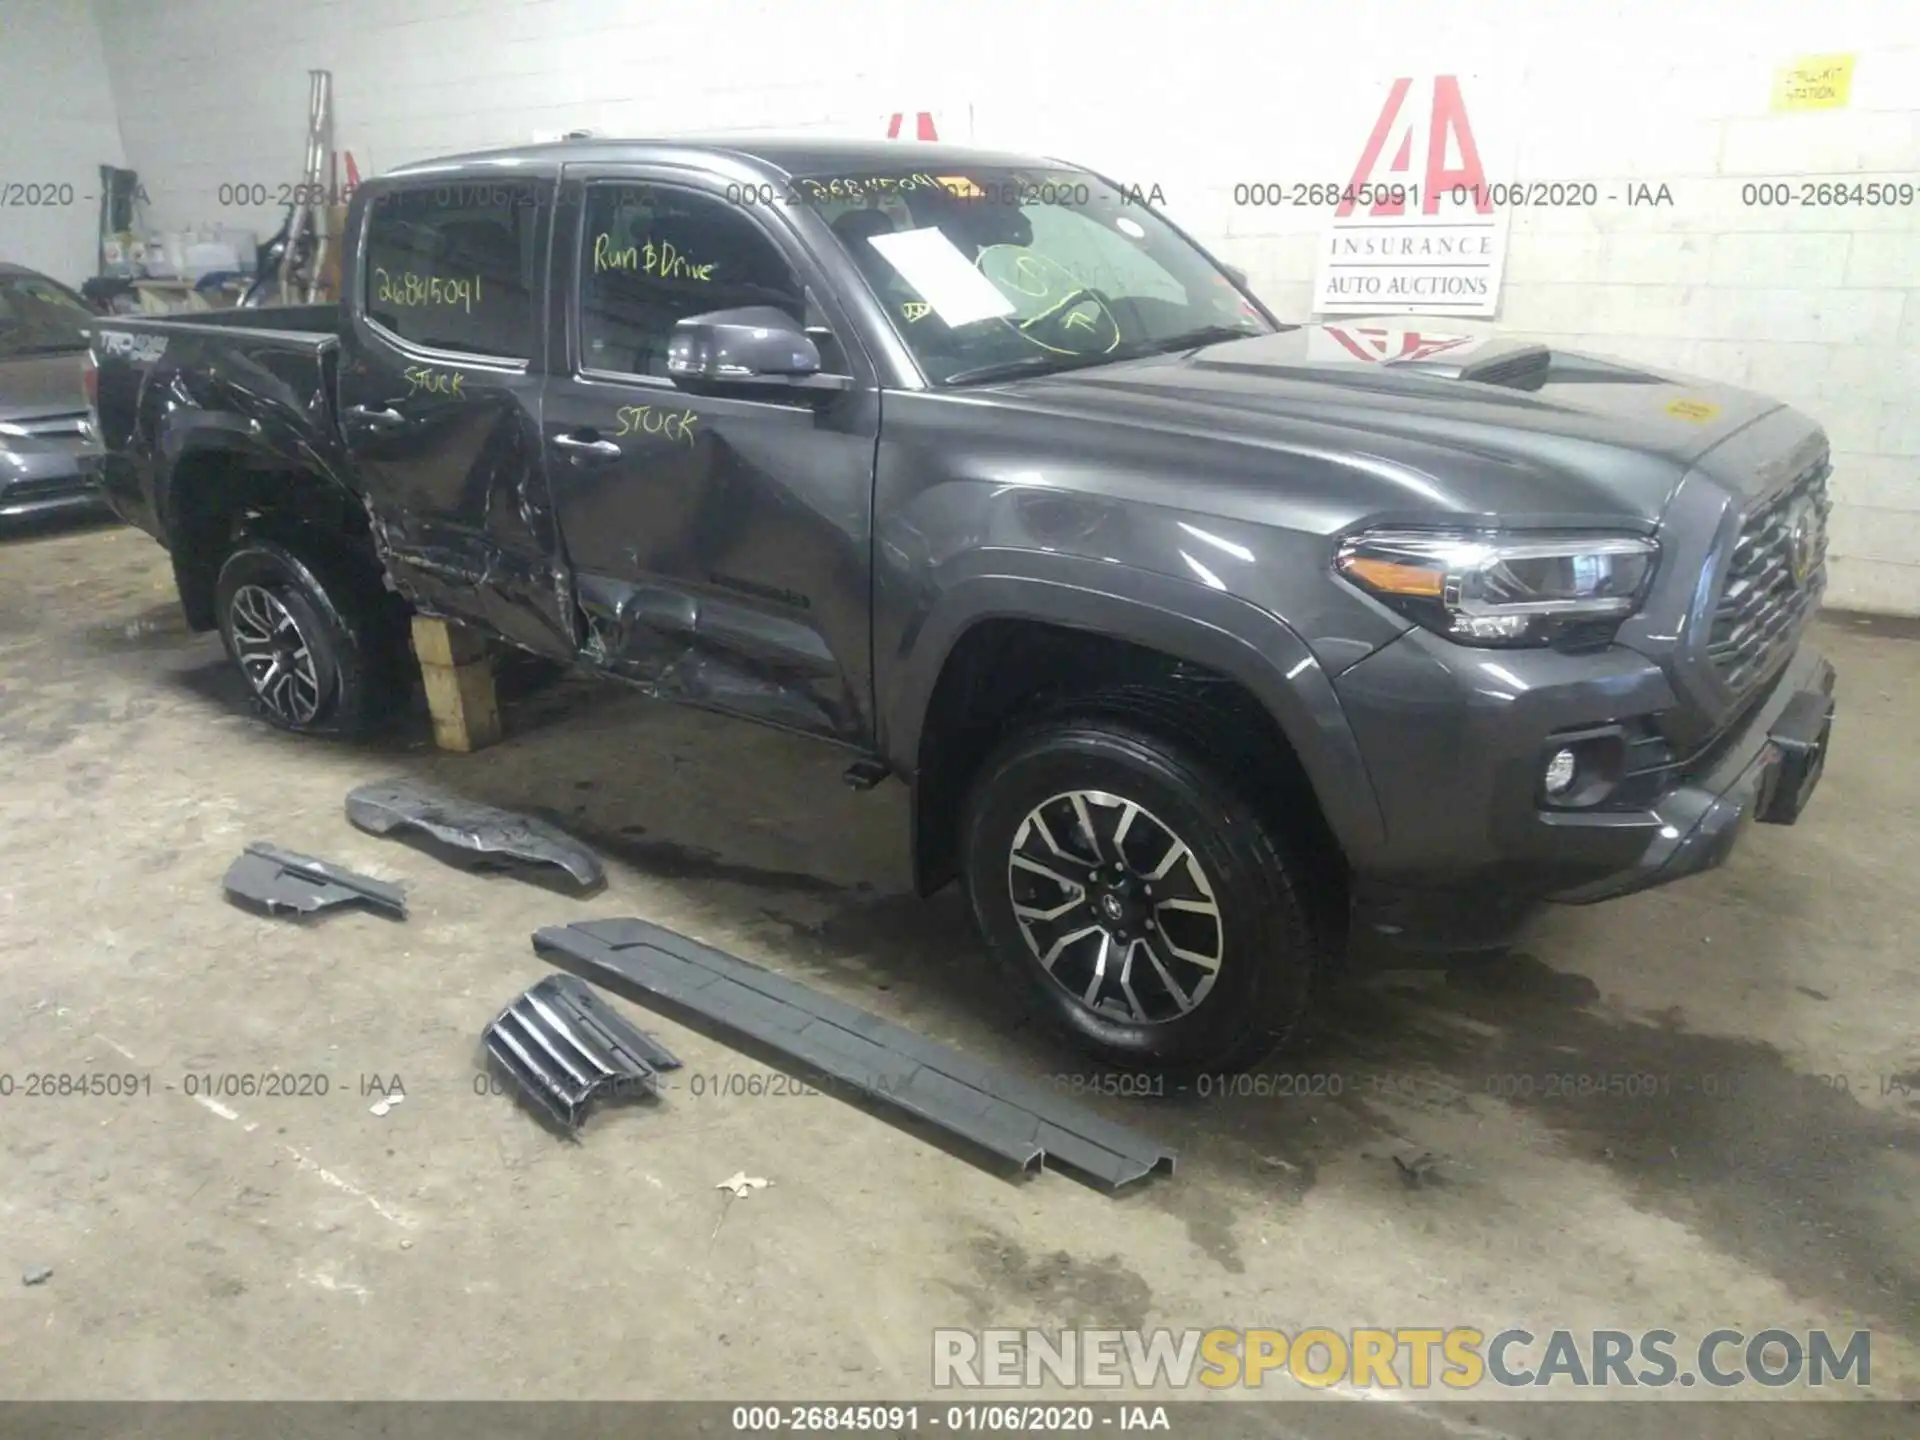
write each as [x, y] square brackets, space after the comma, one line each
[1508, 588]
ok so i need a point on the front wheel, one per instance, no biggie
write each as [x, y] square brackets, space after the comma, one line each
[1143, 903]
[315, 636]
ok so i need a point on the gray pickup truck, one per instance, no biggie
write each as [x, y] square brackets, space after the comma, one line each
[1210, 646]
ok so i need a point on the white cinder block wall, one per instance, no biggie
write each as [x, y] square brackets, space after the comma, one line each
[57, 128]
[1820, 305]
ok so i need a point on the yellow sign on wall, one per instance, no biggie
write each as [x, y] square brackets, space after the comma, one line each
[1814, 82]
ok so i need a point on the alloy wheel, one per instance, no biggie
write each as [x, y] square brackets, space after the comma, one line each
[275, 657]
[1115, 906]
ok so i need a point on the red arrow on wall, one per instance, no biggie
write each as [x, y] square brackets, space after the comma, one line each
[923, 126]
[1375, 344]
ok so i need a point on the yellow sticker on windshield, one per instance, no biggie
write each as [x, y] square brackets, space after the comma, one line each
[963, 187]
[1696, 411]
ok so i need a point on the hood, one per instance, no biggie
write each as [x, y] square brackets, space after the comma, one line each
[35, 387]
[1563, 431]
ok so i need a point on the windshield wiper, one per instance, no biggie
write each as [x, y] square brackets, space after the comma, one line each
[1028, 364]
[1134, 350]
[1205, 335]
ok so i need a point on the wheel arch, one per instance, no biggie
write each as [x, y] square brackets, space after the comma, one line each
[955, 674]
[217, 480]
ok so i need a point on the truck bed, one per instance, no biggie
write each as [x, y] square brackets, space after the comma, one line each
[309, 321]
[266, 375]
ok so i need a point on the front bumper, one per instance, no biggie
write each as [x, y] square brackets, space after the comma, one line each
[1767, 773]
[1455, 741]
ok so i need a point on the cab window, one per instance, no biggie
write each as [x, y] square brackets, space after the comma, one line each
[450, 267]
[653, 255]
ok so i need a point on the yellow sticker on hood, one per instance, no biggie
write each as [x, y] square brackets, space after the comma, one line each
[1697, 411]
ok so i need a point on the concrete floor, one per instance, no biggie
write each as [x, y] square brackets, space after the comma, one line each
[306, 1248]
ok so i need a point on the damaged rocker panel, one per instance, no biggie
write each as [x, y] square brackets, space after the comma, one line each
[710, 650]
[873, 1058]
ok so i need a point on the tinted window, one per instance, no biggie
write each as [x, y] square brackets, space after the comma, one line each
[451, 267]
[38, 317]
[652, 255]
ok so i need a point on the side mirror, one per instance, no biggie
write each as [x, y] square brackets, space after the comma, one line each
[1237, 275]
[759, 347]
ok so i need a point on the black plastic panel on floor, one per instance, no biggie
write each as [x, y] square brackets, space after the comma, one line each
[283, 883]
[873, 1058]
[565, 1047]
[489, 834]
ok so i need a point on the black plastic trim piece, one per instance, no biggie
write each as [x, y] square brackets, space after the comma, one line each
[871, 1057]
[565, 1048]
[1800, 735]
[281, 882]
[390, 805]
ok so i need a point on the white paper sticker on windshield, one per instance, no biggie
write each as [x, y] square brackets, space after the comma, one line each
[933, 265]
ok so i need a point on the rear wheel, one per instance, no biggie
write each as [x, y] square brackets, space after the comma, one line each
[315, 635]
[1144, 904]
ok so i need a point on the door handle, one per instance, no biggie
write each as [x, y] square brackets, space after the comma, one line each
[584, 450]
[388, 416]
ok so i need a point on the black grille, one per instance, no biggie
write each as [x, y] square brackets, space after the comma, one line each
[1762, 601]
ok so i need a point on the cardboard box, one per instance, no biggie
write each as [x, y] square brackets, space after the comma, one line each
[336, 233]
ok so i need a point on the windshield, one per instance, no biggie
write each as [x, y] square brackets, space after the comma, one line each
[1004, 271]
[38, 317]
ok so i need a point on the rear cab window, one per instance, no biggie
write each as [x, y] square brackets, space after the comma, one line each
[451, 267]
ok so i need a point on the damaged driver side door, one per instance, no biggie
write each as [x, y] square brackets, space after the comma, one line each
[720, 541]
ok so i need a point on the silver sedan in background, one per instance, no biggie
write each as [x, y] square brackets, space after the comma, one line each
[47, 445]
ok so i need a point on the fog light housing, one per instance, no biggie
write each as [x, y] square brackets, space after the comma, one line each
[1579, 769]
[1562, 770]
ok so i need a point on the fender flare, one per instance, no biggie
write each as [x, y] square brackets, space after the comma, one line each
[184, 436]
[1179, 618]
[188, 434]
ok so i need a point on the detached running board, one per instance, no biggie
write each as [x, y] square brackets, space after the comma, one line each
[565, 1047]
[871, 1057]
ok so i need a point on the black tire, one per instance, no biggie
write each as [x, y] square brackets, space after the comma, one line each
[341, 633]
[1267, 955]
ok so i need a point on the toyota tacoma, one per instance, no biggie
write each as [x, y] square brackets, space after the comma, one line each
[1211, 648]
